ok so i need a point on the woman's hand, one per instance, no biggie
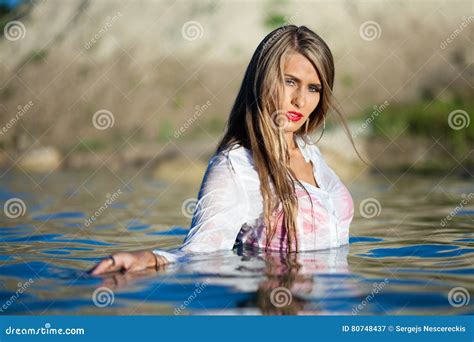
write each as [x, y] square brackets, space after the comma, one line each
[129, 262]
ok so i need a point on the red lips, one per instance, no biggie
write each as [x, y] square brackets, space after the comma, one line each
[294, 116]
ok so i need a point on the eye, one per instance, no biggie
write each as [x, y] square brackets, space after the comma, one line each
[314, 89]
[290, 82]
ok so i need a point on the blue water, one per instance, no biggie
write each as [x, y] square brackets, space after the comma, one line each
[402, 261]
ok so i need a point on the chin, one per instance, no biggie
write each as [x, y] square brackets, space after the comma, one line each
[293, 127]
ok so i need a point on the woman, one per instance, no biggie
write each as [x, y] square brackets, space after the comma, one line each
[268, 186]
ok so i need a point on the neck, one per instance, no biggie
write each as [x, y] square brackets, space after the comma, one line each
[290, 141]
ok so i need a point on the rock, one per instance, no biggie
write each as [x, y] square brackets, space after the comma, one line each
[43, 159]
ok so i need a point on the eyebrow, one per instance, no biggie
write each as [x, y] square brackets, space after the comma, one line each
[298, 80]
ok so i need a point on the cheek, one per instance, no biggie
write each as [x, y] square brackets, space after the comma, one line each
[287, 97]
[315, 101]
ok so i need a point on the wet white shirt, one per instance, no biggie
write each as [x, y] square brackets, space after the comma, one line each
[229, 207]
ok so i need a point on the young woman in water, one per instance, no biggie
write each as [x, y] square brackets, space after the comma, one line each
[268, 186]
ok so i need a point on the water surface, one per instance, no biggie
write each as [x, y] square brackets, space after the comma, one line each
[404, 260]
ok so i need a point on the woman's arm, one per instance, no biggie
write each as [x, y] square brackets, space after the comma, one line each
[221, 210]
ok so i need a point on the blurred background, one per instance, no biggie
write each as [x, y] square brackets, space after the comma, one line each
[161, 76]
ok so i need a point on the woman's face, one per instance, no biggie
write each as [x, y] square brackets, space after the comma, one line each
[302, 91]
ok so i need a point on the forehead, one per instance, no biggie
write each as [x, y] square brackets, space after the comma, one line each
[299, 66]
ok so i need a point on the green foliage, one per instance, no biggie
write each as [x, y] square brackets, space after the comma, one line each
[203, 128]
[165, 131]
[91, 144]
[275, 17]
[427, 118]
[7, 92]
[274, 20]
[214, 125]
[36, 56]
[177, 101]
[347, 80]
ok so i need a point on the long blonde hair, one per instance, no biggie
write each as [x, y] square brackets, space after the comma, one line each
[251, 121]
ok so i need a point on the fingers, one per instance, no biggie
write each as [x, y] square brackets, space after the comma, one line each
[101, 267]
[130, 262]
[144, 260]
[161, 261]
[110, 264]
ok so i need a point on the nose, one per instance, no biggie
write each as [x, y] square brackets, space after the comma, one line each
[298, 99]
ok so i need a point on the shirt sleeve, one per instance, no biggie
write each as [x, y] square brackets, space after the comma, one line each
[221, 210]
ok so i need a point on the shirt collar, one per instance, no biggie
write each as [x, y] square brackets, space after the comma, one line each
[303, 147]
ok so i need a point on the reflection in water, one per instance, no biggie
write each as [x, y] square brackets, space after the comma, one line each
[289, 281]
[403, 261]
